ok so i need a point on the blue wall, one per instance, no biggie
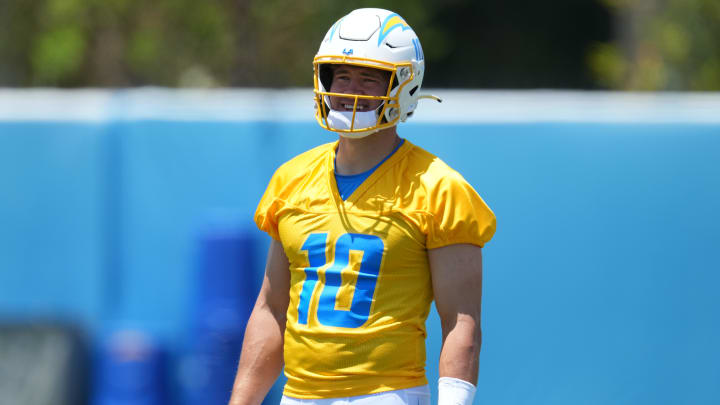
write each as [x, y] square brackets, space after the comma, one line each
[601, 284]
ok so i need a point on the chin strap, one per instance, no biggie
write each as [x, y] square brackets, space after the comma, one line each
[430, 96]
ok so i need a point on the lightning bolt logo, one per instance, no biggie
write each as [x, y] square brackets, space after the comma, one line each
[391, 22]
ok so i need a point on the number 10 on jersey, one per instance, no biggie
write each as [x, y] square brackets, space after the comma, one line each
[315, 245]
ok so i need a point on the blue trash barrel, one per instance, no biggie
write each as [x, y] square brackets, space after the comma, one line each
[226, 277]
[130, 371]
[227, 281]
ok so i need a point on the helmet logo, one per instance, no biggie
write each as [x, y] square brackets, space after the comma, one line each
[333, 29]
[391, 22]
[347, 51]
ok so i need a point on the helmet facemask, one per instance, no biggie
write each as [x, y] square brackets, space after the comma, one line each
[355, 123]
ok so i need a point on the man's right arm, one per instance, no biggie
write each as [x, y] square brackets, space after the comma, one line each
[261, 359]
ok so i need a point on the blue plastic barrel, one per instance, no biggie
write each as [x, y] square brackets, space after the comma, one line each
[130, 371]
[226, 276]
[227, 280]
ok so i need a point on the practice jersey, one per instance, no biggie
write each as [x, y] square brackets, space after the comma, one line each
[360, 287]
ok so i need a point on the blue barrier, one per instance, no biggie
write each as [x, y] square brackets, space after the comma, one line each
[600, 285]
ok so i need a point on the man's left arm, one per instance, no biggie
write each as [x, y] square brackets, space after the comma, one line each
[457, 286]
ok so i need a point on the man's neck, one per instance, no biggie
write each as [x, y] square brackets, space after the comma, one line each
[359, 155]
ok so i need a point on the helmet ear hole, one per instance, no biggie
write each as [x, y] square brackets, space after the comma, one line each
[413, 90]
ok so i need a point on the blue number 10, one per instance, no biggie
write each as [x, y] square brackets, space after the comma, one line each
[372, 248]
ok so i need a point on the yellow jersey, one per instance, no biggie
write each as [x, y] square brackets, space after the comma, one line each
[360, 288]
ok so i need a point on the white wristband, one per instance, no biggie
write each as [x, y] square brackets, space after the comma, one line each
[453, 391]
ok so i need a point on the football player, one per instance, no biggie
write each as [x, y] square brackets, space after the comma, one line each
[366, 231]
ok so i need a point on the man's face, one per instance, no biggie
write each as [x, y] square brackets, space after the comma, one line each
[350, 79]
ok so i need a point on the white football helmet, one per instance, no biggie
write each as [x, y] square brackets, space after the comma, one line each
[374, 38]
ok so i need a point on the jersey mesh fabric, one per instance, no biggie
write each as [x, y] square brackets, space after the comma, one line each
[360, 287]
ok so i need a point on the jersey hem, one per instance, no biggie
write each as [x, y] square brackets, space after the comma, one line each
[355, 391]
[454, 242]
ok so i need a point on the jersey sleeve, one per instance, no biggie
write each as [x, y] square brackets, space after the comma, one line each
[270, 203]
[458, 214]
